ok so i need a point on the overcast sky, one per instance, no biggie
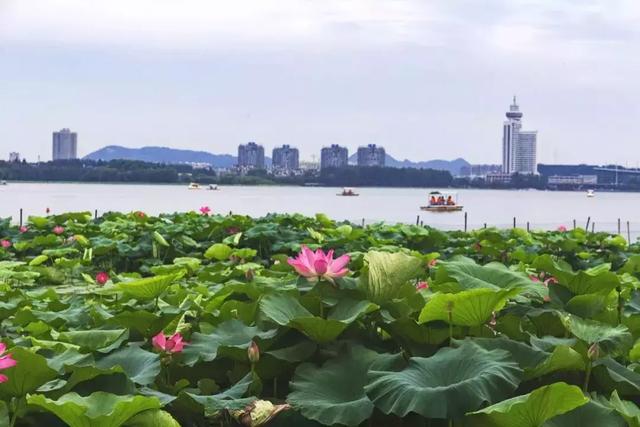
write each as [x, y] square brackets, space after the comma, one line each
[426, 79]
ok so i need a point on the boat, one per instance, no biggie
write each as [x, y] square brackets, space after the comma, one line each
[442, 202]
[348, 192]
[194, 186]
[591, 193]
[213, 187]
[3, 182]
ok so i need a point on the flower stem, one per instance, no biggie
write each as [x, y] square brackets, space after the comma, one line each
[587, 375]
[450, 315]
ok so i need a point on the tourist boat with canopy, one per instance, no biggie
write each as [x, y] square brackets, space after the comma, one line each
[194, 186]
[442, 202]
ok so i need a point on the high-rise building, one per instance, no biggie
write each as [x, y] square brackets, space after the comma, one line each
[285, 158]
[371, 155]
[251, 156]
[518, 146]
[14, 157]
[334, 156]
[65, 145]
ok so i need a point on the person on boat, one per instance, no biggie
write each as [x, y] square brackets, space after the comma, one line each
[450, 201]
[433, 200]
[441, 200]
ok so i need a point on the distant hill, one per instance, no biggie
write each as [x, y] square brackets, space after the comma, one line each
[173, 155]
[162, 155]
[452, 166]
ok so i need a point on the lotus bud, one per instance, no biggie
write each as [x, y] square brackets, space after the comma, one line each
[258, 413]
[253, 352]
[593, 352]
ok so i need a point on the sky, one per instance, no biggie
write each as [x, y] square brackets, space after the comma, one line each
[425, 79]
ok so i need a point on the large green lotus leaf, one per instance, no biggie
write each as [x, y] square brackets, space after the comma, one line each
[597, 279]
[535, 362]
[591, 414]
[229, 399]
[628, 410]
[318, 329]
[218, 251]
[99, 409]
[589, 305]
[152, 418]
[147, 288]
[69, 357]
[385, 274]
[494, 275]
[285, 310]
[141, 366]
[348, 310]
[611, 339]
[531, 410]
[446, 385]
[94, 339]
[334, 393]
[282, 308]
[467, 308]
[30, 372]
[229, 334]
[611, 376]
[295, 353]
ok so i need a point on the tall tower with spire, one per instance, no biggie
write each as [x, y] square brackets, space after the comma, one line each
[518, 146]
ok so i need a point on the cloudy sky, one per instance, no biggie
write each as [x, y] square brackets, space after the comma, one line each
[427, 79]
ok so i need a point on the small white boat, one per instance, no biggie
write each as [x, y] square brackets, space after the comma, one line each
[194, 186]
[213, 187]
[348, 192]
[3, 182]
[442, 202]
[591, 193]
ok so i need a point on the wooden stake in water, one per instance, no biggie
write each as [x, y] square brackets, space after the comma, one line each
[528, 226]
[593, 227]
[618, 226]
[628, 233]
[418, 220]
[514, 222]
[465, 222]
[20, 217]
[586, 227]
[574, 224]
[95, 214]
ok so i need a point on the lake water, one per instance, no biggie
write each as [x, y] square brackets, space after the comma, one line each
[542, 209]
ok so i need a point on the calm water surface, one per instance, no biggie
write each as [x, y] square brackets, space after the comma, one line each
[543, 209]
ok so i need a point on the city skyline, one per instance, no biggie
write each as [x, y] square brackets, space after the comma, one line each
[291, 73]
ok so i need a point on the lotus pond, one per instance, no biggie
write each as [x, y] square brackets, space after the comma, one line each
[205, 320]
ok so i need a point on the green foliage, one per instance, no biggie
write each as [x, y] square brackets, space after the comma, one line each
[506, 321]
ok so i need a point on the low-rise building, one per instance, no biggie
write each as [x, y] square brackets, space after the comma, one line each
[14, 156]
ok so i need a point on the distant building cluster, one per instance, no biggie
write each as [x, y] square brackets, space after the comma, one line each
[14, 156]
[480, 170]
[285, 159]
[518, 146]
[65, 145]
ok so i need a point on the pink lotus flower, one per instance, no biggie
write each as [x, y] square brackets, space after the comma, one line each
[318, 265]
[102, 278]
[422, 285]
[6, 361]
[172, 344]
[233, 230]
[534, 278]
[205, 210]
[433, 262]
[23, 229]
[562, 228]
[140, 214]
[5, 243]
[58, 230]
[551, 281]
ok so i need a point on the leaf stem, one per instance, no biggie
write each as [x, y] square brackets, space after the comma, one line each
[450, 316]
